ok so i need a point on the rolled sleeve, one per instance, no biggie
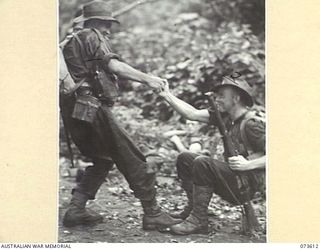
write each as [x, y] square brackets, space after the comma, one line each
[106, 58]
[99, 49]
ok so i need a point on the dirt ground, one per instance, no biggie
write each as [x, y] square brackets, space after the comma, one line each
[123, 214]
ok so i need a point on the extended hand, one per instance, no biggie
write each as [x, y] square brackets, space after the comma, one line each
[156, 83]
[165, 89]
[239, 163]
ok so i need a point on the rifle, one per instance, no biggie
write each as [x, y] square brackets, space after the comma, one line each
[249, 221]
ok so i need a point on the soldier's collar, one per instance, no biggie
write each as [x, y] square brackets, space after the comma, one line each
[240, 117]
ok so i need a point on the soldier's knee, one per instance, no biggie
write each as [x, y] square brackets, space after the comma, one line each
[182, 157]
[183, 161]
[102, 166]
[201, 165]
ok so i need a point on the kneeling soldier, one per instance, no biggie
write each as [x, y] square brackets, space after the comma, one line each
[201, 175]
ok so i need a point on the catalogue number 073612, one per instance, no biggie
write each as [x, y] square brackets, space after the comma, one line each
[309, 246]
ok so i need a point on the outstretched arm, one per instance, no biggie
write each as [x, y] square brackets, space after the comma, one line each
[126, 71]
[186, 110]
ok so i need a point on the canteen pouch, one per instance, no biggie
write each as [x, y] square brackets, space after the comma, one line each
[85, 108]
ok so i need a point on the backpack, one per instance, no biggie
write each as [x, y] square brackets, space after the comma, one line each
[67, 85]
[256, 177]
[251, 115]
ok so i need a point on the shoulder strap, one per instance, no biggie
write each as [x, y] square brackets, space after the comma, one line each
[82, 51]
[243, 132]
[89, 62]
[100, 36]
[65, 41]
[101, 39]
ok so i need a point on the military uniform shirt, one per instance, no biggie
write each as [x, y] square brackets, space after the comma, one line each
[95, 47]
[254, 130]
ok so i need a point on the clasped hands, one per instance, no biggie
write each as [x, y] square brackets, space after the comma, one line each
[159, 85]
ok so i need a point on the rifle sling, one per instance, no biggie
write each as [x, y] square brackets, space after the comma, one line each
[67, 133]
[84, 59]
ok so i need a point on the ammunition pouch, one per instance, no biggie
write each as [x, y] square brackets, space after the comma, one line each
[105, 85]
[86, 108]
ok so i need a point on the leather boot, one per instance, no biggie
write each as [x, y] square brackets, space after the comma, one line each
[77, 214]
[197, 222]
[154, 218]
[188, 208]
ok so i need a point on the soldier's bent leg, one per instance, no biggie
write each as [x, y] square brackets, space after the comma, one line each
[216, 174]
[211, 176]
[141, 178]
[197, 221]
[184, 169]
[184, 166]
[91, 181]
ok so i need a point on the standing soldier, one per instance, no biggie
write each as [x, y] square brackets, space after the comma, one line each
[202, 175]
[88, 115]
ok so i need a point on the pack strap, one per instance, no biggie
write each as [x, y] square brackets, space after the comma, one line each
[82, 51]
[101, 39]
[243, 133]
[89, 62]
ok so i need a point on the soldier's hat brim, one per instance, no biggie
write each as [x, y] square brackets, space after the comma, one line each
[81, 18]
[240, 85]
[96, 10]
